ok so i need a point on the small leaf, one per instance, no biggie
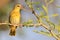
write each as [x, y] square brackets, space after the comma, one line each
[30, 6]
[45, 9]
[51, 1]
[36, 2]
[57, 28]
[25, 23]
[28, 22]
[42, 13]
[45, 33]
[45, 16]
[38, 8]
[54, 15]
[35, 31]
[57, 6]
[42, 32]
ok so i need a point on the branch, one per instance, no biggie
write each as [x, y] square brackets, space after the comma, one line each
[48, 3]
[39, 24]
[52, 33]
[20, 24]
[35, 15]
[42, 24]
[32, 9]
[45, 26]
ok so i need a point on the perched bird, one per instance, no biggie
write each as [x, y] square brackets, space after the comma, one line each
[14, 18]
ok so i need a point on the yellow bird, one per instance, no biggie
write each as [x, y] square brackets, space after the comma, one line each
[14, 18]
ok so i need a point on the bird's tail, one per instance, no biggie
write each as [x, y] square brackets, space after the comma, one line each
[12, 31]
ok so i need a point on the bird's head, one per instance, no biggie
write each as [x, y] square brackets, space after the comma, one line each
[18, 6]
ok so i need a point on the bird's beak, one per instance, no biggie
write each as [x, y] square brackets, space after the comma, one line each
[22, 7]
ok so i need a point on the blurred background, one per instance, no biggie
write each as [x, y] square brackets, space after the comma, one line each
[27, 32]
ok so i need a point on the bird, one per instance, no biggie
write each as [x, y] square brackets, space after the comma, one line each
[15, 18]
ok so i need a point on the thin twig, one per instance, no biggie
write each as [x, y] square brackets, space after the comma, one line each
[35, 13]
[54, 35]
[20, 24]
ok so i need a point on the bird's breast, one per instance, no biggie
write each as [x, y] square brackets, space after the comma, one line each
[15, 18]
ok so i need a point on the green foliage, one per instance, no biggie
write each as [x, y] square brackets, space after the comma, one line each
[38, 9]
[57, 27]
[51, 24]
[51, 1]
[31, 3]
[41, 14]
[28, 22]
[42, 32]
[45, 9]
[54, 15]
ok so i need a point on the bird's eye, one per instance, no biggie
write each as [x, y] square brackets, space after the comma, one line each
[18, 6]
